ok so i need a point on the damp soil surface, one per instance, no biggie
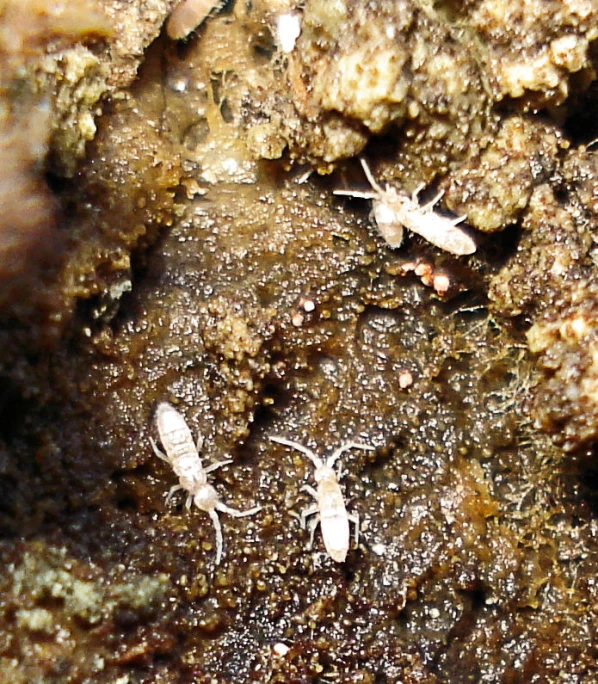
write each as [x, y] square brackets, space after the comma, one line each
[204, 262]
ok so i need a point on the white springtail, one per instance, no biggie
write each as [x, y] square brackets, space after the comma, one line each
[329, 508]
[183, 455]
[394, 210]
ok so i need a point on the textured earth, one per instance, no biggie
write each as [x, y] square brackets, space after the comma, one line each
[184, 244]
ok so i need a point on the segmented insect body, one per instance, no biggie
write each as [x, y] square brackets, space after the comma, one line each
[394, 210]
[334, 518]
[183, 456]
[181, 451]
[330, 509]
[188, 15]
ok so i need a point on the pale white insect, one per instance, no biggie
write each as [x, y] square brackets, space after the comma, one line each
[394, 210]
[183, 455]
[329, 508]
[188, 15]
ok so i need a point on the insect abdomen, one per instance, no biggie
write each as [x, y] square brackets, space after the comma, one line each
[335, 530]
[333, 519]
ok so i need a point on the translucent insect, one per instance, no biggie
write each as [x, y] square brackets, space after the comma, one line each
[183, 455]
[394, 210]
[188, 15]
[329, 508]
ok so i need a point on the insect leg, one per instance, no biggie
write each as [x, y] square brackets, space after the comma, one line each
[219, 540]
[157, 451]
[213, 466]
[312, 531]
[428, 205]
[173, 490]
[309, 490]
[306, 512]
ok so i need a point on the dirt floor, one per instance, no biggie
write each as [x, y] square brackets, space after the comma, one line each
[169, 232]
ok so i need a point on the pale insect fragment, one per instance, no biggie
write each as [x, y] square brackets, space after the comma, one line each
[182, 454]
[188, 15]
[329, 509]
[394, 210]
[288, 29]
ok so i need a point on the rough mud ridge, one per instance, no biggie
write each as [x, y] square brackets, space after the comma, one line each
[169, 233]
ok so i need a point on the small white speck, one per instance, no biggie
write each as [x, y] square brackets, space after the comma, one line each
[98, 662]
[230, 165]
[309, 305]
[423, 270]
[178, 85]
[405, 379]
[441, 283]
[379, 549]
[288, 29]
[280, 649]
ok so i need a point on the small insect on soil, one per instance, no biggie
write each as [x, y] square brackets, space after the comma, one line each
[183, 456]
[329, 508]
[188, 15]
[394, 210]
